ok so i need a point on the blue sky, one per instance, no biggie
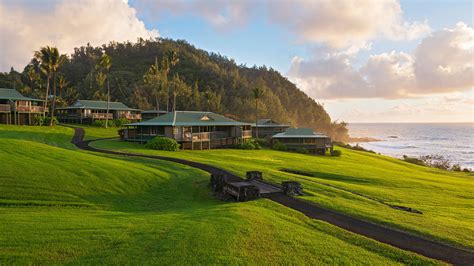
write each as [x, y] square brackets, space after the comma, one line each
[366, 61]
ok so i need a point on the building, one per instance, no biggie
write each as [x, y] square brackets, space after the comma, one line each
[304, 138]
[267, 128]
[17, 109]
[193, 130]
[150, 114]
[85, 112]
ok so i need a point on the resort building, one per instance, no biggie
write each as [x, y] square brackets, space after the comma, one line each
[150, 114]
[86, 112]
[304, 138]
[17, 109]
[193, 130]
[267, 128]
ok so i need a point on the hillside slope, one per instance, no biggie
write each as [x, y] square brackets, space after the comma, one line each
[62, 205]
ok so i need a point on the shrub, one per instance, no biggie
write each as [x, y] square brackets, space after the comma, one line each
[99, 123]
[277, 145]
[336, 153]
[163, 144]
[456, 168]
[247, 146]
[44, 121]
[413, 160]
[120, 122]
[302, 150]
[263, 142]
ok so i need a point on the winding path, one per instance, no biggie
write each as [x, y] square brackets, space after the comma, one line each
[399, 239]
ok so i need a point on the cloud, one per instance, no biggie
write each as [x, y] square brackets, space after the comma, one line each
[222, 15]
[344, 23]
[66, 24]
[443, 62]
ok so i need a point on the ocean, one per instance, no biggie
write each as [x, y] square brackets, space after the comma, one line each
[454, 141]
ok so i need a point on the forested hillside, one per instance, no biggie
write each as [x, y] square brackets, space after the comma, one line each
[149, 74]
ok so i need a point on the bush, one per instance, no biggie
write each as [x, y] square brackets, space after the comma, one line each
[120, 122]
[302, 150]
[99, 123]
[162, 144]
[277, 145]
[44, 121]
[250, 145]
[336, 153]
[413, 160]
[263, 142]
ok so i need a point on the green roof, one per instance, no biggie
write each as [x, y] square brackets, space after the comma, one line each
[190, 118]
[99, 105]
[154, 112]
[10, 94]
[269, 123]
[299, 133]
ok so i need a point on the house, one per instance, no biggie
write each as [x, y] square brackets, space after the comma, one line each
[304, 138]
[85, 112]
[267, 128]
[150, 114]
[17, 109]
[193, 130]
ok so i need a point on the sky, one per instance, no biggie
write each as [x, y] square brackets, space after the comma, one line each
[364, 60]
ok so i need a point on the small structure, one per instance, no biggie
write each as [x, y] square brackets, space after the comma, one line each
[193, 130]
[86, 112]
[304, 138]
[268, 128]
[17, 109]
[150, 114]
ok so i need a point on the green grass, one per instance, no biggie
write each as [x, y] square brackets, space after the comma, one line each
[62, 205]
[445, 198]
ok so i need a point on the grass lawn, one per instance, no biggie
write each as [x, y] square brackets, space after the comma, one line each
[62, 205]
[445, 198]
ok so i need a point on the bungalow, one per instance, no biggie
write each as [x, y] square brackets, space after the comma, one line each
[18, 109]
[193, 130]
[85, 112]
[304, 138]
[150, 114]
[267, 128]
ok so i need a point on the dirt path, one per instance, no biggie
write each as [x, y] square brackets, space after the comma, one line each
[399, 239]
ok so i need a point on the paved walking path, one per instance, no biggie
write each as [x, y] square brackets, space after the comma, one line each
[399, 239]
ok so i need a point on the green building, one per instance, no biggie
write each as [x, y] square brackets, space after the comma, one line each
[17, 109]
[85, 112]
[268, 128]
[304, 138]
[193, 130]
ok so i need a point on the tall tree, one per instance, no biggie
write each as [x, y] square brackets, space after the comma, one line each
[103, 66]
[152, 79]
[62, 84]
[257, 95]
[50, 60]
[171, 60]
[179, 89]
[196, 95]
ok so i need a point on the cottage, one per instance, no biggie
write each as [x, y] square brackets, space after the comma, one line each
[85, 112]
[304, 138]
[150, 114]
[193, 130]
[267, 128]
[18, 109]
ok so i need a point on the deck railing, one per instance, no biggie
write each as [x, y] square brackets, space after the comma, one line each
[101, 115]
[132, 116]
[29, 109]
[5, 108]
[247, 133]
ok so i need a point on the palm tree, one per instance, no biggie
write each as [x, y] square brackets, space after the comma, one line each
[171, 60]
[51, 60]
[152, 78]
[62, 84]
[257, 95]
[104, 65]
[31, 75]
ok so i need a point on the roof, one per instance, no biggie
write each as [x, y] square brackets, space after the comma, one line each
[190, 118]
[10, 94]
[101, 105]
[269, 123]
[299, 133]
[154, 112]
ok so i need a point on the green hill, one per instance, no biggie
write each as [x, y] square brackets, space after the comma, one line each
[203, 80]
[63, 205]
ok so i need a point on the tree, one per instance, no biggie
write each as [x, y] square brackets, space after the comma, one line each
[62, 84]
[179, 89]
[152, 79]
[31, 75]
[196, 96]
[50, 60]
[257, 95]
[103, 66]
[171, 60]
